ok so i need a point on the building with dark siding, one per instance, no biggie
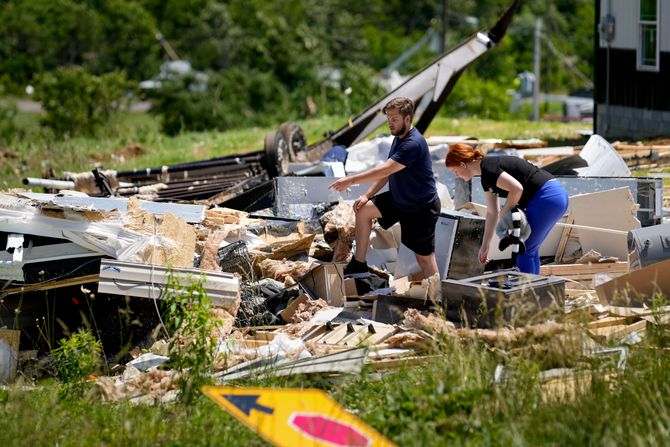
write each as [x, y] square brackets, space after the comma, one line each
[632, 68]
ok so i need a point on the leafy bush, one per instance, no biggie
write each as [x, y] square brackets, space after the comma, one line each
[235, 98]
[192, 345]
[8, 128]
[355, 91]
[77, 357]
[473, 96]
[77, 102]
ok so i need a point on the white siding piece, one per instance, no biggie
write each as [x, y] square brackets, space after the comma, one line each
[190, 213]
[148, 281]
[350, 361]
[11, 263]
[603, 160]
[12, 269]
[44, 253]
[109, 238]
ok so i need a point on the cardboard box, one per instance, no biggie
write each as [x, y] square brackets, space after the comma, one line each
[326, 281]
[637, 287]
[292, 308]
[429, 288]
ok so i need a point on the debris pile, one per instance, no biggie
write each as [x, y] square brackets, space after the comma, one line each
[275, 277]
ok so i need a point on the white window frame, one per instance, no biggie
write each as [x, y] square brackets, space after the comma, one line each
[640, 38]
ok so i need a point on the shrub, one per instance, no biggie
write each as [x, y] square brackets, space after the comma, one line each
[235, 98]
[8, 128]
[77, 102]
[192, 345]
[353, 92]
[77, 357]
[473, 96]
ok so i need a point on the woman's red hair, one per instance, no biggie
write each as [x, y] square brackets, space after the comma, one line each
[462, 153]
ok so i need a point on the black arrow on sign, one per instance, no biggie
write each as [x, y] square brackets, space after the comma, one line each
[247, 402]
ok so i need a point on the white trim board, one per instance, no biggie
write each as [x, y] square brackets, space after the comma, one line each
[148, 281]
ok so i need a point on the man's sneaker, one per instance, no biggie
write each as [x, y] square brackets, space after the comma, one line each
[356, 269]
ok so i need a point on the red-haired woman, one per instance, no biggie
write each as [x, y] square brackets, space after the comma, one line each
[532, 189]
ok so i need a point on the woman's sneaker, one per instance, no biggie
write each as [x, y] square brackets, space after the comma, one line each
[356, 269]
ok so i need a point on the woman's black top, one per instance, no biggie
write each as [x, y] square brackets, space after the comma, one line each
[530, 176]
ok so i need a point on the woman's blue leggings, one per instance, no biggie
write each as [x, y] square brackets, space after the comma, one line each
[543, 211]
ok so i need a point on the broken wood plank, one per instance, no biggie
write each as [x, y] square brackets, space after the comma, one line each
[584, 269]
[608, 322]
[386, 364]
[52, 284]
[618, 332]
[565, 236]
[586, 227]
[247, 329]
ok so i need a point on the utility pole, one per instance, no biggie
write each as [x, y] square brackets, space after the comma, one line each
[536, 63]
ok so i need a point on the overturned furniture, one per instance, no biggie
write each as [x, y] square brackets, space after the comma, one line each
[510, 295]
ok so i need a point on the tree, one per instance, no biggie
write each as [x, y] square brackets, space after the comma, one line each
[78, 103]
[130, 42]
[41, 35]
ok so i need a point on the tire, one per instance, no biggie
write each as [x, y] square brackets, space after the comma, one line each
[295, 138]
[276, 154]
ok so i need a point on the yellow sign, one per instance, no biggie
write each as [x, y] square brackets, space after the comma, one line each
[296, 417]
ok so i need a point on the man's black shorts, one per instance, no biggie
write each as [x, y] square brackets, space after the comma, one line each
[417, 228]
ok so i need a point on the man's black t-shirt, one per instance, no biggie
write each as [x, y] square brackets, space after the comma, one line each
[413, 187]
[530, 176]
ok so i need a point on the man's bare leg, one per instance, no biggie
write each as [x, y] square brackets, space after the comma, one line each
[364, 218]
[428, 264]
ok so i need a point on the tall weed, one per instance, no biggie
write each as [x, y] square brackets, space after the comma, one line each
[192, 344]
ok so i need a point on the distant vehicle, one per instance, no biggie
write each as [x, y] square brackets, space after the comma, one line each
[174, 70]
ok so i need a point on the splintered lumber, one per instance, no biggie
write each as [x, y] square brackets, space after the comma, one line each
[638, 155]
[583, 269]
[623, 147]
[396, 363]
[609, 322]
[565, 236]
[52, 284]
[586, 227]
[618, 332]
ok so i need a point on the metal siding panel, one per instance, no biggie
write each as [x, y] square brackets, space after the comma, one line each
[630, 87]
[664, 26]
[147, 281]
[626, 15]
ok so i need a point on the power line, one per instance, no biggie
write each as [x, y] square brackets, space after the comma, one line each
[567, 62]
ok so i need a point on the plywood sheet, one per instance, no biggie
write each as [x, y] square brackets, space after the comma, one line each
[614, 209]
[637, 286]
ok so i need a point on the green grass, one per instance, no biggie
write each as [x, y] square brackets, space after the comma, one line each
[35, 152]
[553, 131]
[451, 401]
